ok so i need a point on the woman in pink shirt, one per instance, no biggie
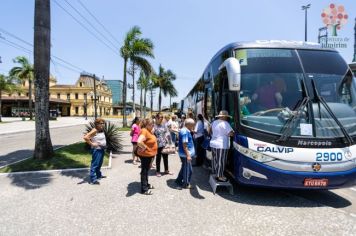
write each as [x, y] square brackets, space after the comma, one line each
[135, 133]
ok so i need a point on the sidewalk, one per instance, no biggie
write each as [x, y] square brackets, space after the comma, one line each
[16, 125]
[65, 204]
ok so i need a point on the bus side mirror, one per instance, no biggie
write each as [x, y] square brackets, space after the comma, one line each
[233, 69]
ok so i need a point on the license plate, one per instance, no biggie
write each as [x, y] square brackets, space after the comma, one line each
[316, 182]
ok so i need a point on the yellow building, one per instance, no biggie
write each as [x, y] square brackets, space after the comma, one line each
[67, 100]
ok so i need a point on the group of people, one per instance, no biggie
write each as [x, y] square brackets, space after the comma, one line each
[150, 136]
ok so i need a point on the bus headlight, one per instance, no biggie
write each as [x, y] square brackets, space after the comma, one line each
[257, 156]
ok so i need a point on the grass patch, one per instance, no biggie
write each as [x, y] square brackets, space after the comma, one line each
[71, 156]
[125, 129]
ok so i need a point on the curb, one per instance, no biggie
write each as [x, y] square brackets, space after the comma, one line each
[54, 171]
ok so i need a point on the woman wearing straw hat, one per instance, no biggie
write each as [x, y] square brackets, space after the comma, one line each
[220, 144]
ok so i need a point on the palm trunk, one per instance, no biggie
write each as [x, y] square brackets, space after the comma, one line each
[170, 104]
[159, 99]
[42, 43]
[141, 101]
[30, 97]
[133, 88]
[151, 100]
[144, 104]
[124, 119]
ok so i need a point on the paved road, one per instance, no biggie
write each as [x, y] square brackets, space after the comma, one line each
[64, 204]
[19, 146]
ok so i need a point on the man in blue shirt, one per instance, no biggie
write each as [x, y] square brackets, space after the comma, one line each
[186, 152]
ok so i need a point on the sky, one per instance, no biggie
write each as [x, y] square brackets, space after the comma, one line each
[186, 33]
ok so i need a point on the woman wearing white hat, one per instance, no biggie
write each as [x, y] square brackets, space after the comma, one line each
[220, 144]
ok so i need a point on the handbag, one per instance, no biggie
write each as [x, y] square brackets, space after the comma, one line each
[169, 149]
[138, 151]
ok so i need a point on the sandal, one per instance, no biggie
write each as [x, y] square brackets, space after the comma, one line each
[221, 179]
[158, 174]
[149, 192]
[150, 186]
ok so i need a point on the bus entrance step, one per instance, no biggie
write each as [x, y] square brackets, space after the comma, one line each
[215, 184]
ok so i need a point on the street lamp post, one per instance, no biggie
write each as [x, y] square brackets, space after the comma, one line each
[305, 8]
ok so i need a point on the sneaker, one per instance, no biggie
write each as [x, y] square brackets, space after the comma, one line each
[102, 177]
[158, 174]
[149, 192]
[189, 186]
[94, 182]
[178, 187]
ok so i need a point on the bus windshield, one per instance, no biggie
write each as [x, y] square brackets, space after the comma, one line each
[275, 89]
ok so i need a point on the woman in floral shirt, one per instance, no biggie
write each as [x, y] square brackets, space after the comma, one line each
[162, 134]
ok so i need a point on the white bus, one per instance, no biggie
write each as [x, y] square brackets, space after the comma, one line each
[294, 113]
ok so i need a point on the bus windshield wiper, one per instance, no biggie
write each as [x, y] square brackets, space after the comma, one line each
[289, 126]
[319, 99]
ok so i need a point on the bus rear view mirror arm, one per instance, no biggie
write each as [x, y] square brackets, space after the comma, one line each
[233, 69]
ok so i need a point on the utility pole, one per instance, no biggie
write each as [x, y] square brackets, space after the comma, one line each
[305, 8]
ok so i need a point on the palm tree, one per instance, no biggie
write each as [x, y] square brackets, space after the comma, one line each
[172, 92]
[7, 85]
[164, 83]
[42, 53]
[135, 49]
[144, 83]
[23, 73]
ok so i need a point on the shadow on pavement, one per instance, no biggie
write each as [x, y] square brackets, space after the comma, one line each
[31, 181]
[324, 197]
[80, 174]
[267, 196]
[133, 188]
[15, 156]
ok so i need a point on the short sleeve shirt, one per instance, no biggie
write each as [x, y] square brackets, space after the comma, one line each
[135, 129]
[220, 138]
[150, 142]
[185, 137]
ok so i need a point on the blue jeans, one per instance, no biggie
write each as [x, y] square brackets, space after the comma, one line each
[96, 163]
[185, 173]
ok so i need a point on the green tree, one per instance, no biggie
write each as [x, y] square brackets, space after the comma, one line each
[135, 50]
[163, 82]
[144, 84]
[42, 53]
[24, 72]
[7, 85]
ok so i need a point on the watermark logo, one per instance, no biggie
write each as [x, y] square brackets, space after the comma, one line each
[334, 17]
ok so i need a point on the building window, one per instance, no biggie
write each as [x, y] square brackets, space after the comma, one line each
[68, 96]
[26, 94]
[58, 95]
[76, 110]
[85, 96]
[76, 96]
[23, 84]
[80, 84]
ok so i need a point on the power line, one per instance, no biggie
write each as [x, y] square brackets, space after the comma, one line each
[14, 36]
[80, 23]
[15, 45]
[106, 30]
[92, 25]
